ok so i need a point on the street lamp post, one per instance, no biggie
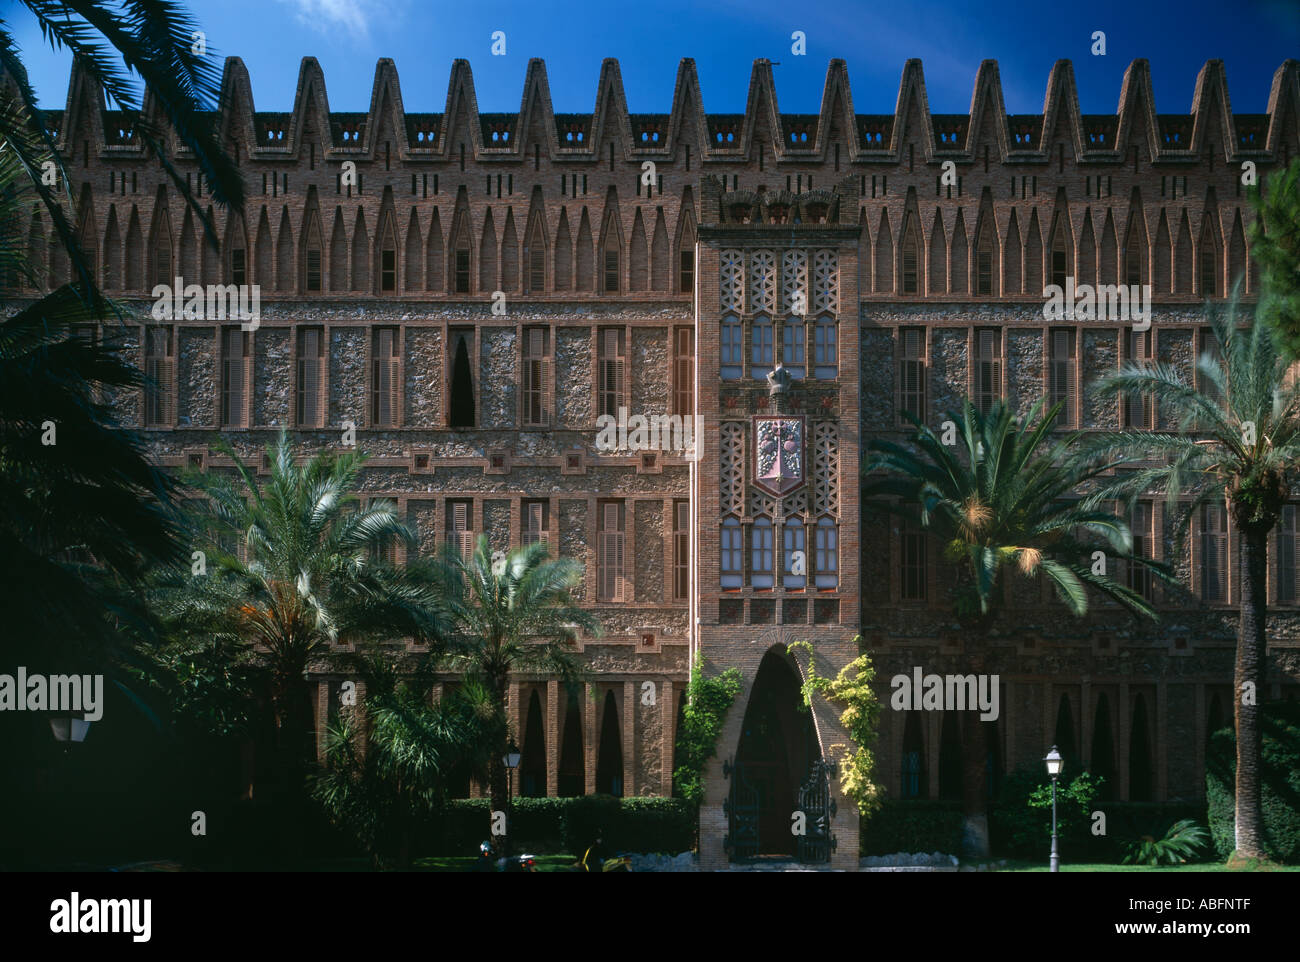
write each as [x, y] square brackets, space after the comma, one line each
[1055, 764]
[511, 761]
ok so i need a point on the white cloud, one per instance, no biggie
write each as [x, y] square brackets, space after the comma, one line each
[327, 16]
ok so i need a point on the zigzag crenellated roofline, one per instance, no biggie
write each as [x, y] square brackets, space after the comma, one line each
[806, 138]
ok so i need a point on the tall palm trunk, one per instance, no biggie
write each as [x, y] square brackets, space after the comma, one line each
[1249, 682]
[497, 786]
[293, 749]
[974, 774]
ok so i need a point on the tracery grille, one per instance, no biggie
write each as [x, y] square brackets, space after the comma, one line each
[826, 468]
[732, 467]
[732, 283]
[826, 282]
[762, 282]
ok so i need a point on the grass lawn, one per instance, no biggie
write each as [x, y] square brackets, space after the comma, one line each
[1103, 867]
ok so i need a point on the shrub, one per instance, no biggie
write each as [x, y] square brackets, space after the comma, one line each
[1280, 801]
[1181, 843]
[1022, 815]
[912, 825]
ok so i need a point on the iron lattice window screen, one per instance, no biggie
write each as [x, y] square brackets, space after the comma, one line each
[987, 368]
[311, 378]
[537, 377]
[611, 371]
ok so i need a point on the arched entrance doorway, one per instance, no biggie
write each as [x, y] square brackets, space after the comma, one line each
[776, 757]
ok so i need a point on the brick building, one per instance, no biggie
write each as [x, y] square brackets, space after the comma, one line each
[488, 285]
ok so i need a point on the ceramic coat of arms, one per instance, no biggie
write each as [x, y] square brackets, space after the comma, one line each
[778, 452]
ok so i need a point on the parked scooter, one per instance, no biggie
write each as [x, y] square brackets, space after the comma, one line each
[491, 861]
[592, 861]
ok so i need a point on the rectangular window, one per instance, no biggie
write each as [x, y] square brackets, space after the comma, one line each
[909, 266]
[460, 530]
[313, 270]
[537, 267]
[311, 377]
[1208, 343]
[761, 348]
[684, 371]
[912, 561]
[462, 271]
[1214, 553]
[611, 269]
[984, 266]
[159, 369]
[1141, 524]
[537, 377]
[793, 333]
[687, 271]
[1209, 268]
[612, 585]
[238, 270]
[828, 554]
[1060, 373]
[386, 374]
[536, 521]
[1058, 261]
[388, 270]
[825, 349]
[987, 368]
[681, 550]
[1133, 267]
[1287, 565]
[760, 554]
[732, 554]
[611, 370]
[732, 357]
[911, 372]
[1139, 409]
[236, 377]
[794, 554]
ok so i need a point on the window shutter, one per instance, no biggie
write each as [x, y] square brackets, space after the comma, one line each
[1291, 543]
[166, 393]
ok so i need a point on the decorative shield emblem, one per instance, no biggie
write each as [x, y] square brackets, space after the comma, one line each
[778, 452]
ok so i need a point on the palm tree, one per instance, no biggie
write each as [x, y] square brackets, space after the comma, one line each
[512, 612]
[1238, 444]
[155, 41]
[1001, 499]
[381, 795]
[1275, 245]
[309, 573]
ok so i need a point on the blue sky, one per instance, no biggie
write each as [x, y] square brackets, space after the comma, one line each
[649, 37]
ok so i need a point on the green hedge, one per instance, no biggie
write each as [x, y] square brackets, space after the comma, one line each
[1280, 724]
[570, 824]
[914, 825]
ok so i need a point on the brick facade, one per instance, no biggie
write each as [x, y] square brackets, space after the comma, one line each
[396, 275]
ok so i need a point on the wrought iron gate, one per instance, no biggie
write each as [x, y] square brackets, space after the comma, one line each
[742, 814]
[815, 801]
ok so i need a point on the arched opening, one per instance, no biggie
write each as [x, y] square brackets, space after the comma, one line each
[573, 770]
[1064, 737]
[1103, 750]
[461, 409]
[914, 782]
[532, 768]
[609, 754]
[1140, 781]
[950, 758]
[778, 747]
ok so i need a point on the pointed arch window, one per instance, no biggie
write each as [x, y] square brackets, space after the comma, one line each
[536, 256]
[984, 262]
[909, 278]
[1208, 263]
[1059, 265]
[461, 407]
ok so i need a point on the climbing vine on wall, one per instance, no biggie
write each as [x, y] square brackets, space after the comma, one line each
[851, 691]
[707, 702]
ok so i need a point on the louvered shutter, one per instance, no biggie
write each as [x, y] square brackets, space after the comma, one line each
[1288, 556]
[612, 578]
[1214, 542]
